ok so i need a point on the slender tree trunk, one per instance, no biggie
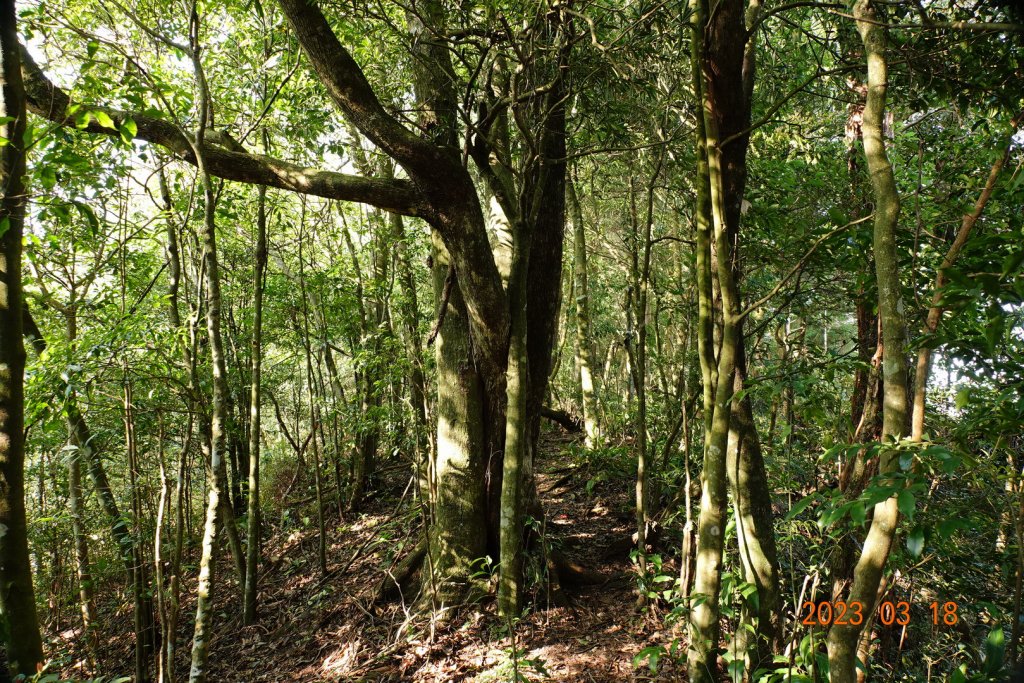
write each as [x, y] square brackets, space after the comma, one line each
[314, 419]
[158, 550]
[584, 341]
[703, 631]
[17, 599]
[144, 624]
[181, 518]
[414, 350]
[217, 509]
[843, 640]
[75, 503]
[366, 434]
[934, 315]
[641, 266]
[704, 620]
[755, 532]
[517, 451]
[85, 581]
[253, 536]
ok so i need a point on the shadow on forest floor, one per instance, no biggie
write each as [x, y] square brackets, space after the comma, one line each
[314, 629]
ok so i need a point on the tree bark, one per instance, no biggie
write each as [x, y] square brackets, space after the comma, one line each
[252, 554]
[755, 532]
[702, 655]
[584, 344]
[17, 598]
[457, 528]
[517, 431]
[843, 640]
[218, 511]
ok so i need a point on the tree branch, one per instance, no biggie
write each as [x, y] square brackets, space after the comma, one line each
[800, 264]
[351, 91]
[49, 101]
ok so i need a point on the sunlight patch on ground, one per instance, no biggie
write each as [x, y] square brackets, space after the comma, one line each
[342, 661]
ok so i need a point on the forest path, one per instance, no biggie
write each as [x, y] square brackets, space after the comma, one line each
[314, 628]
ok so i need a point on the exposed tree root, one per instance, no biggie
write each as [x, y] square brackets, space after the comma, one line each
[400, 579]
[572, 573]
[568, 422]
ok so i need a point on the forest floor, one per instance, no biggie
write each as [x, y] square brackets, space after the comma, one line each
[315, 627]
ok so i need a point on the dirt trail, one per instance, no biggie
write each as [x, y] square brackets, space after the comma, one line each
[316, 628]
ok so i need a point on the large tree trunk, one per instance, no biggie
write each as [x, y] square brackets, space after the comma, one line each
[843, 640]
[17, 599]
[457, 533]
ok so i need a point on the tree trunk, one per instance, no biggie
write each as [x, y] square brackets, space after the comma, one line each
[457, 530]
[702, 657]
[217, 510]
[252, 555]
[517, 433]
[314, 420]
[584, 342]
[145, 636]
[934, 315]
[17, 599]
[76, 505]
[843, 640]
[755, 532]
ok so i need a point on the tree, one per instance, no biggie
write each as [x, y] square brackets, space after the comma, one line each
[17, 598]
[843, 639]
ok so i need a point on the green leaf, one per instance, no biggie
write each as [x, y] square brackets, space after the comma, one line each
[995, 650]
[801, 505]
[89, 215]
[858, 513]
[947, 527]
[47, 177]
[82, 118]
[915, 542]
[652, 654]
[906, 501]
[906, 459]
[950, 464]
[963, 397]
[103, 118]
[128, 129]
